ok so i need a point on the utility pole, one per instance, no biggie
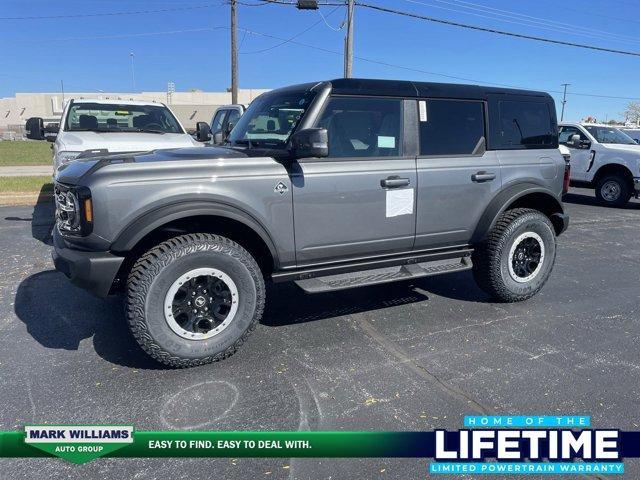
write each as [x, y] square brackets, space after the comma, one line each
[348, 48]
[234, 53]
[62, 90]
[564, 100]
[133, 72]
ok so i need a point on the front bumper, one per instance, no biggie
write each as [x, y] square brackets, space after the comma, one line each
[93, 271]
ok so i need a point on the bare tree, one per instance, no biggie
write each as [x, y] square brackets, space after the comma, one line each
[632, 112]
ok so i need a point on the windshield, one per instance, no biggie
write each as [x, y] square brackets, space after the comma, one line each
[102, 117]
[271, 118]
[610, 135]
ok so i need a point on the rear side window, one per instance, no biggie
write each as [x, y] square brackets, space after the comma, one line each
[451, 127]
[363, 127]
[526, 125]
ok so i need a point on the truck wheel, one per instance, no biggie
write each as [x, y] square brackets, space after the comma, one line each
[613, 190]
[516, 259]
[194, 299]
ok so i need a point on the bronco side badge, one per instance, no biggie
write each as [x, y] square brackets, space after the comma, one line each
[281, 188]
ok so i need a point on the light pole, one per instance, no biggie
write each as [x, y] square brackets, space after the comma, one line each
[564, 100]
[133, 72]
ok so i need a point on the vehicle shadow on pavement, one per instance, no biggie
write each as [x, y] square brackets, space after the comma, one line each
[43, 218]
[591, 200]
[59, 315]
[288, 304]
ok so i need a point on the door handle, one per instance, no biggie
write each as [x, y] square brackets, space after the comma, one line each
[394, 182]
[483, 177]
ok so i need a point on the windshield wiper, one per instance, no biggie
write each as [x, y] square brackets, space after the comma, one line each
[143, 130]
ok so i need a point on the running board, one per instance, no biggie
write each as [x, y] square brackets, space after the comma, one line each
[377, 276]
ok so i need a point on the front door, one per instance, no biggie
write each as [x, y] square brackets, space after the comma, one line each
[360, 201]
[580, 157]
[457, 176]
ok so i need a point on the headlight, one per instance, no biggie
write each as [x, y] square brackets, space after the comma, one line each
[65, 157]
[74, 210]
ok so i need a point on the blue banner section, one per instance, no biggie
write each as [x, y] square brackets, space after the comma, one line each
[527, 421]
[525, 468]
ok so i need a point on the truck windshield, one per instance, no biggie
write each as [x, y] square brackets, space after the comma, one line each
[270, 119]
[610, 135]
[103, 117]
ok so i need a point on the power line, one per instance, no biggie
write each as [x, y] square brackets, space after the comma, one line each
[491, 30]
[291, 38]
[525, 20]
[112, 14]
[438, 74]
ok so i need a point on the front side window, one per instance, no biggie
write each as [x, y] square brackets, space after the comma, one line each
[451, 127]
[526, 124]
[234, 116]
[216, 123]
[271, 118]
[567, 132]
[610, 135]
[102, 117]
[363, 127]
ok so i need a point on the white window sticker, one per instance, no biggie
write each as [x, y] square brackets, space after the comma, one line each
[399, 202]
[422, 106]
[386, 142]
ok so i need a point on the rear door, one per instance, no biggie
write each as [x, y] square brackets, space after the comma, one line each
[360, 201]
[457, 176]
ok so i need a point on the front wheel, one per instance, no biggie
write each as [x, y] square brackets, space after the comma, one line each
[613, 190]
[194, 299]
[516, 259]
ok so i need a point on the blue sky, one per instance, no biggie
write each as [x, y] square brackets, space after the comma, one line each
[92, 53]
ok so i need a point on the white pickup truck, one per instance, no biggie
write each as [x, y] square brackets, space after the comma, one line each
[604, 158]
[96, 126]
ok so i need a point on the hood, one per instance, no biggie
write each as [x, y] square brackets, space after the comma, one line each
[622, 148]
[71, 173]
[125, 141]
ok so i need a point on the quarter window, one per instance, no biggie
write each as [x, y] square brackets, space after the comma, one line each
[451, 127]
[363, 127]
[526, 125]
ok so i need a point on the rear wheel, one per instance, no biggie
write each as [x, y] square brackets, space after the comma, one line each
[516, 259]
[613, 190]
[194, 299]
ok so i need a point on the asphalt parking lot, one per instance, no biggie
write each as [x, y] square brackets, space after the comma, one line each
[408, 356]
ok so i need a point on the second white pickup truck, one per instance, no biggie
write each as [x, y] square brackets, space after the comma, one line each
[603, 158]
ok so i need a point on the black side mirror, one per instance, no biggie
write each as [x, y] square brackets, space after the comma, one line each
[310, 142]
[203, 132]
[34, 128]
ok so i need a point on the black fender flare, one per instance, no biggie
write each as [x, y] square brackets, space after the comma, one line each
[150, 221]
[506, 197]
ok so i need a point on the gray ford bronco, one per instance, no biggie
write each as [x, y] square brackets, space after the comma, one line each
[332, 185]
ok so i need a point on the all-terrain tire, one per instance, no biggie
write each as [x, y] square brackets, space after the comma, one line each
[493, 257]
[613, 190]
[158, 269]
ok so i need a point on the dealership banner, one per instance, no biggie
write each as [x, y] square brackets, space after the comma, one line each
[487, 444]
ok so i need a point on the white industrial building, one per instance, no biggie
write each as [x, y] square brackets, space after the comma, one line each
[189, 107]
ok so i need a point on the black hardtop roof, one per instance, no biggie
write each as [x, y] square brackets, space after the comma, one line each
[404, 88]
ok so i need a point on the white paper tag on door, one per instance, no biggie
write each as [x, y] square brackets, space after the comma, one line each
[399, 202]
[422, 107]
